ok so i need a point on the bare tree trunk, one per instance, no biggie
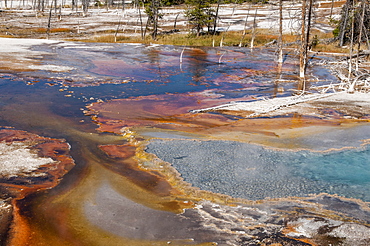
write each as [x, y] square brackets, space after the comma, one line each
[302, 55]
[155, 9]
[351, 48]
[216, 17]
[308, 31]
[223, 35]
[245, 27]
[146, 27]
[254, 30]
[49, 24]
[85, 6]
[141, 20]
[116, 33]
[360, 34]
[344, 24]
[174, 25]
[215, 23]
[331, 9]
[280, 56]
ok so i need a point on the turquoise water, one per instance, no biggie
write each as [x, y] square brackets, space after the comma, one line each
[255, 172]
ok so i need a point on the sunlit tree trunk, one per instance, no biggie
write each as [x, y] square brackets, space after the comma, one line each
[331, 9]
[141, 20]
[118, 26]
[215, 23]
[245, 27]
[280, 56]
[254, 29]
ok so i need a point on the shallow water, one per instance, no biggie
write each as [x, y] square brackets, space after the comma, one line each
[254, 172]
[77, 211]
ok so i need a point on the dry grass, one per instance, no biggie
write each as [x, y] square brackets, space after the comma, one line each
[228, 39]
[109, 38]
[330, 48]
[52, 30]
[338, 4]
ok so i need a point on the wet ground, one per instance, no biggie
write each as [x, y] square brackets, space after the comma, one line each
[150, 172]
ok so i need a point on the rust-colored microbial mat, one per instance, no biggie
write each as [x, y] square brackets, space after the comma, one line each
[50, 161]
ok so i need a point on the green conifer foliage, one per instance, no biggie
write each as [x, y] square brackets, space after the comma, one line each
[200, 15]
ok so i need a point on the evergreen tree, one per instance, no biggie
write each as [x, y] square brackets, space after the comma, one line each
[200, 15]
[355, 19]
[152, 9]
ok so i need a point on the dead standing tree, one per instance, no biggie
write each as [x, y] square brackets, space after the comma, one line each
[245, 27]
[280, 52]
[356, 13]
[85, 6]
[305, 35]
[354, 28]
[138, 6]
[254, 27]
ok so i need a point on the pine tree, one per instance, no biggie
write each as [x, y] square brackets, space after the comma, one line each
[355, 19]
[152, 9]
[200, 15]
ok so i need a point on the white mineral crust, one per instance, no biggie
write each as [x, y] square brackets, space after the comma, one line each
[16, 159]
